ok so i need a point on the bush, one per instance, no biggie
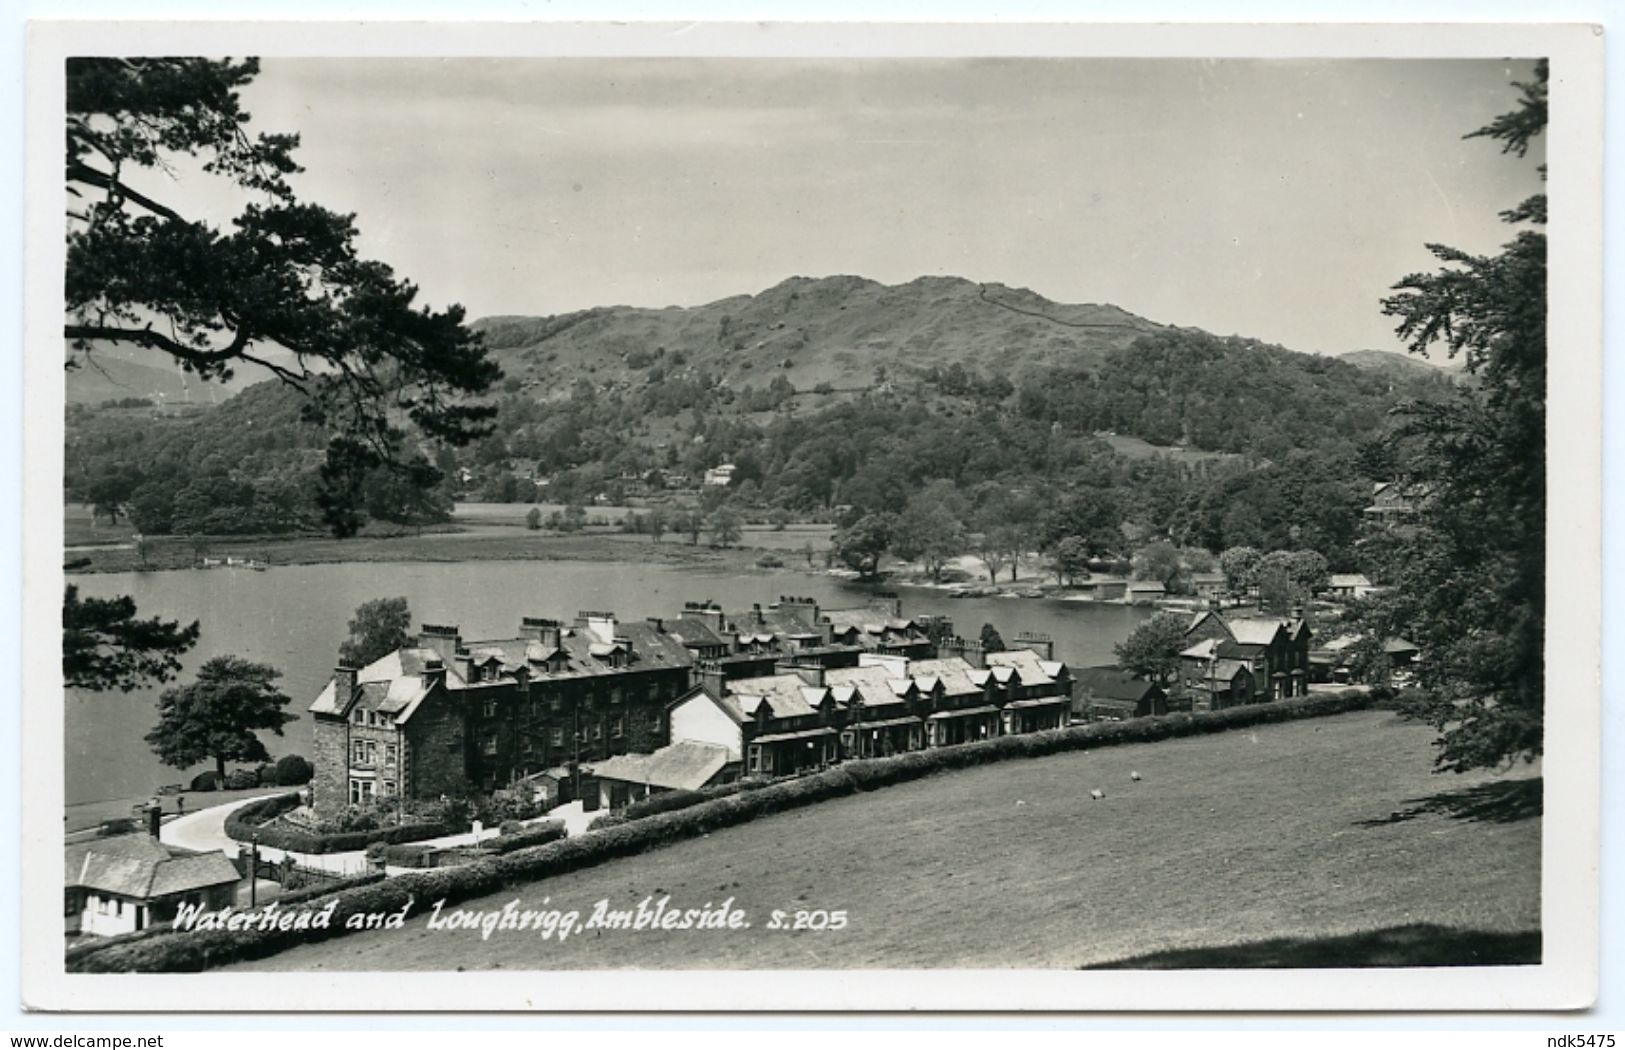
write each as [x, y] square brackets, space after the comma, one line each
[239, 779]
[209, 781]
[770, 561]
[256, 819]
[510, 827]
[118, 826]
[293, 770]
[526, 836]
[613, 835]
[665, 802]
[407, 855]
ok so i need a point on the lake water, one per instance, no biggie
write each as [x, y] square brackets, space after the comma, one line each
[294, 617]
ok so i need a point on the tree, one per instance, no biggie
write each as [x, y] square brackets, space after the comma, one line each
[655, 522]
[104, 646]
[378, 628]
[284, 289]
[928, 532]
[293, 770]
[992, 551]
[533, 519]
[1152, 650]
[1069, 559]
[991, 640]
[217, 716]
[1470, 586]
[724, 526]
[861, 545]
[1159, 561]
[1278, 591]
[1240, 568]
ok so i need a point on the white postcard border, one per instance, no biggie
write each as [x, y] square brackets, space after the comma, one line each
[1565, 980]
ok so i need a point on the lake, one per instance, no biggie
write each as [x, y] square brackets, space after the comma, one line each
[294, 617]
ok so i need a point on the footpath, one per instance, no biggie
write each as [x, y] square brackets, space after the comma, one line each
[205, 831]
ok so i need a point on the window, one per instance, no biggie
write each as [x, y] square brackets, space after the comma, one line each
[389, 788]
[556, 737]
[594, 731]
[615, 695]
[361, 791]
[358, 752]
[391, 754]
[617, 728]
[556, 705]
[360, 716]
[491, 743]
[490, 708]
[755, 759]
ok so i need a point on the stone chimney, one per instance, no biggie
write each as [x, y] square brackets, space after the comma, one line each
[710, 676]
[155, 820]
[658, 624]
[1213, 604]
[344, 682]
[541, 629]
[434, 672]
[707, 612]
[1297, 611]
[444, 640]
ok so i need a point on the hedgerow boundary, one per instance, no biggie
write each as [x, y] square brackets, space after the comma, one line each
[196, 950]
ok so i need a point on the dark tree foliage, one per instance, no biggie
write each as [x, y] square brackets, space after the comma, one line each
[378, 628]
[105, 647]
[1470, 580]
[217, 716]
[283, 289]
[1152, 650]
[991, 640]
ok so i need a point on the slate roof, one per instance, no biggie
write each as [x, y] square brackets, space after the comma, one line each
[1034, 669]
[878, 686]
[787, 696]
[1255, 631]
[953, 671]
[1111, 683]
[686, 765]
[1349, 579]
[141, 868]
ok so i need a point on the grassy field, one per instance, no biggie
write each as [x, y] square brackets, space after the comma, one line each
[1326, 832]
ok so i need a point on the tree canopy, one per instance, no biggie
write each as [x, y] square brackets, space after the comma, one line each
[1152, 650]
[378, 628]
[105, 647]
[217, 716]
[1470, 578]
[283, 289]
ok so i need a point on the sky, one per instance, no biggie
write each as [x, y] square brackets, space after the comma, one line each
[1273, 199]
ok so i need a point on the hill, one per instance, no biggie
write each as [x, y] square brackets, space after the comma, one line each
[1390, 363]
[111, 373]
[832, 330]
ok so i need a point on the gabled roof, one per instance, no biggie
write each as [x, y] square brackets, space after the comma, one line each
[952, 671]
[1111, 683]
[1255, 631]
[1349, 579]
[1034, 669]
[141, 868]
[685, 765]
[876, 686]
[786, 695]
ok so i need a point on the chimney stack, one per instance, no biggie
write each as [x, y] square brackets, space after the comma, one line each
[155, 819]
[344, 681]
[540, 629]
[444, 640]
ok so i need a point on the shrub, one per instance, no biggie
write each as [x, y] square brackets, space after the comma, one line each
[238, 779]
[510, 827]
[664, 802]
[293, 770]
[209, 781]
[613, 835]
[770, 561]
[526, 836]
[257, 818]
[117, 826]
[407, 855]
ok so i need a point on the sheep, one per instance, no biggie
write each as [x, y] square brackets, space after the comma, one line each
[1097, 794]
[1134, 775]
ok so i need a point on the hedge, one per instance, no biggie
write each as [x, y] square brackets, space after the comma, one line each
[252, 820]
[197, 950]
[538, 834]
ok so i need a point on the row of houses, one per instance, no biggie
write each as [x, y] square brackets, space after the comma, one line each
[446, 715]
